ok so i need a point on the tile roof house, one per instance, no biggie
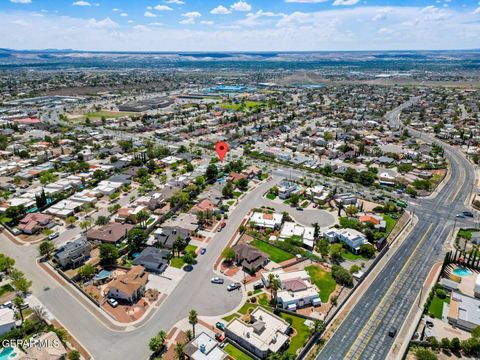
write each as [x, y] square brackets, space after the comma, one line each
[249, 257]
[31, 223]
[47, 347]
[202, 206]
[129, 286]
[236, 176]
[111, 233]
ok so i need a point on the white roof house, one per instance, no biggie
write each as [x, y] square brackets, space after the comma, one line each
[350, 237]
[7, 320]
[306, 233]
[266, 333]
[204, 347]
[270, 221]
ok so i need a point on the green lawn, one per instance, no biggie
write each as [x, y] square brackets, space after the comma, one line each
[236, 353]
[436, 306]
[108, 114]
[347, 255]
[323, 280]
[303, 333]
[244, 309]
[191, 248]
[390, 223]
[276, 255]
[237, 194]
[466, 233]
[248, 105]
[230, 317]
[230, 202]
[177, 262]
[263, 300]
[305, 204]
[6, 289]
[271, 196]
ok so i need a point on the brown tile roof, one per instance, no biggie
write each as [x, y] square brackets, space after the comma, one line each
[131, 281]
[112, 232]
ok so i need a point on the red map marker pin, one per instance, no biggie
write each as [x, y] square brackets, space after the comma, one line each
[221, 148]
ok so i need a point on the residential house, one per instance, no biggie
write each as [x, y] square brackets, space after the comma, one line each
[300, 232]
[33, 222]
[265, 220]
[249, 257]
[7, 320]
[463, 311]
[153, 259]
[265, 333]
[202, 206]
[110, 233]
[129, 286]
[204, 347]
[73, 253]
[166, 236]
[352, 238]
[46, 346]
[286, 189]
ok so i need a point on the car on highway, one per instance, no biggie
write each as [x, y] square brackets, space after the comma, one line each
[203, 251]
[392, 332]
[220, 326]
[53, 236]
[234, 286]
[217, 280]
[113, 303]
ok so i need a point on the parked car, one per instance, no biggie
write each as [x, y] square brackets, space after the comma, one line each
[112, 302]
[219, 229]
[217, 280]
[299, 208]
[223, 224]
[258, 285]
[468, 213]
[234, 286]
[203, 251]
[460, 216]
[220, 326]
[219, 337]
[53, 236]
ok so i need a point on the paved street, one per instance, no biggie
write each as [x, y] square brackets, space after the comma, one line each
[107, 341]
[364, 332]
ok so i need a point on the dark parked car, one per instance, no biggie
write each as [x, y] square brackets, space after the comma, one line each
[220, 326]
[468, 213]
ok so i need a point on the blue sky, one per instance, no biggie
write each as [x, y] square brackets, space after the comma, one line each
[240, 25]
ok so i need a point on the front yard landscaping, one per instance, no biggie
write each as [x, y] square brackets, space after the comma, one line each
[177, 262]
[302, 331]
[436, 306]
[236, 353]
[323, 280]
[276, 255]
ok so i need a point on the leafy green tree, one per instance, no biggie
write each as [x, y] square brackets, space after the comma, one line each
[6, 263]
[74, 355]
[158, 341]
[136, 238]
[102, 220]
[87, 271]
[323, 247]
[227, 190]
[212, 172]
[142, 217]
[46, 248]
[228, 254]
[108, 254]
[336, 252]
[242, 184]
[18, 303]
[367, 250]
[342, 276]
[425, 354]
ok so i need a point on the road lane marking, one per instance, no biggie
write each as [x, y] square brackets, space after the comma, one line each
[387, 293]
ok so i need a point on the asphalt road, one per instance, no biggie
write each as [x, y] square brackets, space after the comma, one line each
[106, 341]
[364, 332]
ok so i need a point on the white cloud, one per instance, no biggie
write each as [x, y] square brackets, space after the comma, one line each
[124, 14]
[220, 10]
[204, 22]
[162, 8]
[306, 1]
[190, 17]
[178, 2]
[106, 23]
[241, 6]
[156, 24]
[251, 19]
[476, 11]
[21, 1]
[142, 28]
[81, 3]
[149, 14]
[115, 9]
[345, 2]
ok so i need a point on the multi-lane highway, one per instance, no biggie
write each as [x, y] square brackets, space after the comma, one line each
[364, 332]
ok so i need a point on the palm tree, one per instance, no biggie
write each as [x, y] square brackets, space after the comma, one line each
[274, 286]
[142, 218]
[189, 335]
[179, 244]
[18, 302]
[179, 351]
[40, 313]
[193, 319]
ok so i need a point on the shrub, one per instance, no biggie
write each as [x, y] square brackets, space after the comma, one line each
[441, 293]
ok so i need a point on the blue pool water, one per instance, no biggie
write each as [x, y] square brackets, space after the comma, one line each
[7, 353]
[462, 271]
